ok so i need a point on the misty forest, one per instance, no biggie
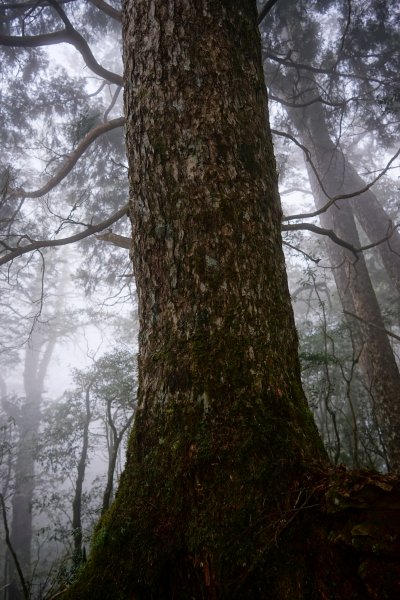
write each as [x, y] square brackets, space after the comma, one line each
[200, 299]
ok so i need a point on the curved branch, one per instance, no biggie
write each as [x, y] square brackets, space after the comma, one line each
[107, 9]
[332, 235]
[321, 231]
[296, 249]
[309, 160]
[331, 199]
[90, 230]
[69, 35]
[72, 159]
[112, 103]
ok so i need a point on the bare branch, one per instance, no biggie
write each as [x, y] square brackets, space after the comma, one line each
[320, 231]
[309, 160]
[108, 9]
[297, 249]
[332, 235]
[24, 585]
[69, 35]
[72, 159]
[389, 333]
[328, 71]
[22, 6]
[310, 102]
[90, 230]
[331, 199]
[117, 240]
[112, 103]
[265, 10]
[292, 190]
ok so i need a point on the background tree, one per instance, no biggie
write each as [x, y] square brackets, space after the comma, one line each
[330, 86]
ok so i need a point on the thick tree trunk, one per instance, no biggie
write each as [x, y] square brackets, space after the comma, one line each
[219, 461]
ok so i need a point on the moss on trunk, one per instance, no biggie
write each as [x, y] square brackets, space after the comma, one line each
[224, 463]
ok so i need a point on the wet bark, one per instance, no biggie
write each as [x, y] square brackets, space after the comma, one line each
[351, 275]
[224, 455]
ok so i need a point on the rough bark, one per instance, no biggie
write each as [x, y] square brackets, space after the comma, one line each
[353, 283]
[219, 474]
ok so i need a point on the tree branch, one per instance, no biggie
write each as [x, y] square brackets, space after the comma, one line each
[69, 35]
[112, 103]
[331, 199]
[117, 240]
[393, 335]
[90, 230]
[297, 249]
[309, 160]
[107, 9]
[73, 158]
[332, 235]
[320, 231]
[329, 71]
[265, 10]
[310, 102]
[29, 4]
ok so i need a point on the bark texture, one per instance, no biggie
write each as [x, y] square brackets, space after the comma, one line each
[220, 459]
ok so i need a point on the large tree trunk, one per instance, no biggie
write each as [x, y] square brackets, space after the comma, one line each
[219, 459]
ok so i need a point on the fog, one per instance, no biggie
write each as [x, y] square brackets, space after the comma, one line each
[69, 325]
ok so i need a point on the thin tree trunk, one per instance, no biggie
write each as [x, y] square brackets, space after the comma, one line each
[81, 469]
[114, 446]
